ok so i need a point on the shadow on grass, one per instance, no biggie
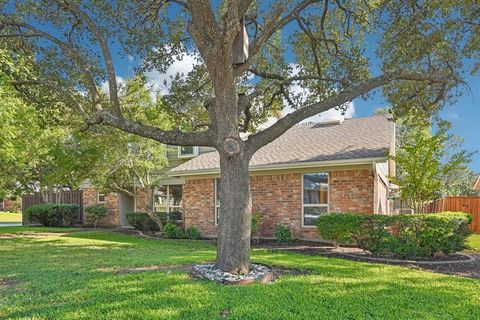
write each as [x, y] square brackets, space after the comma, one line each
[64, 278]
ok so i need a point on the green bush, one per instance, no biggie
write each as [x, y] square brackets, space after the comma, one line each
[53, 215]
[341, 228]
[95, 213]
[255, 224]
[192, 233]
[282, 234]
[173, 231]
[418, 235]
[141, 221]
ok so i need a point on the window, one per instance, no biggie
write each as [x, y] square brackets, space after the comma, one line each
[101, 198]
[217, 200]
[169, 199]
[187, 152]
[315, 197]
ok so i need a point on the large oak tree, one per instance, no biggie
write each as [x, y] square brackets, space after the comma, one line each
[319, 46]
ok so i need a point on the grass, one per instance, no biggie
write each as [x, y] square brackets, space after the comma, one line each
[71, 276]
[6, 217]
[474, 242]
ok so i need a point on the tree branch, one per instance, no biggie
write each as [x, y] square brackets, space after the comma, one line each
[271, 26]
[266, 136]
[78, 60]
[174, 137]
[98, 34]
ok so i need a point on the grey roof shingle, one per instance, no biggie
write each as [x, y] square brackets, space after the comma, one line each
[356, 138]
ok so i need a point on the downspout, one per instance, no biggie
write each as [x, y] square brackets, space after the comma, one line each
[375, 187]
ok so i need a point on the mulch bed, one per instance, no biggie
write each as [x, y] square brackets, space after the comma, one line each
[452, 265]
[277, 270]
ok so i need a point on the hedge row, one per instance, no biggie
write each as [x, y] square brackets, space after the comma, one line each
[53, 215]
[141, 220]
[404, 236]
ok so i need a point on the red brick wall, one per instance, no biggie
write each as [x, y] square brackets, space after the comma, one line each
[141, 201]
[352, 191]
[199, 205]
[278, 199]
[90, 197]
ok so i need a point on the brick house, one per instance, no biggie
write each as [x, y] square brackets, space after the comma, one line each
[339, 166]
[336, 166]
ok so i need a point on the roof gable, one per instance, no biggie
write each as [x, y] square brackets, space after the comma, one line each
[357, 138]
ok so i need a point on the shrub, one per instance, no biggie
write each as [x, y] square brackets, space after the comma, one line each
[95, 213]
[141, 221]
[53, 215]
[282, 234]
[255, 223]
[173, 231]
[340, 228]
[192, 233]
[404, 236]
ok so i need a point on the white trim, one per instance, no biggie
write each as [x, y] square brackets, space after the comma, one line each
[283, 166]
[314, 205]
[168, 206]
[98, 197]
[215, 203]
[190, 155]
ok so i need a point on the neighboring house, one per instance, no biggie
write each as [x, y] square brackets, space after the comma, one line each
[476, 185]
[10, 205]
[168, 196]
[312, 169]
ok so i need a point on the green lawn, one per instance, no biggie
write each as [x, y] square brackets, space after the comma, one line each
[474, 242]
[6, 217]
[71, 276]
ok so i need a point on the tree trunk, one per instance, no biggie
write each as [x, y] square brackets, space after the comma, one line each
[235, 217]
[150, 207]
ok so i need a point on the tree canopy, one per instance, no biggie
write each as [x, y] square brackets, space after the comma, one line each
[430, 162]
[308, 54]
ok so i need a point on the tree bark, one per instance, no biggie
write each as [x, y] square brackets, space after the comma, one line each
[235, 217]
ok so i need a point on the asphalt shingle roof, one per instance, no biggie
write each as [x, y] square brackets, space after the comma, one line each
[356, 138]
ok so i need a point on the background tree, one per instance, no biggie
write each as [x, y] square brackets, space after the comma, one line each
[317, 45]
[38, 155]
[130, 161]
[427, 161]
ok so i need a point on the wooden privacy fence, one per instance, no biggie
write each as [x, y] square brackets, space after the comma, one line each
[66, 197]
[469, 205]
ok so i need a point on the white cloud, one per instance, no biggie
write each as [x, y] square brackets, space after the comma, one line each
[332, 114]
[105, 87]
[130, 58]
[161, 81]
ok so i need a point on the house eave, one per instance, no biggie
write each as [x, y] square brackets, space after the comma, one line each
[283, 166]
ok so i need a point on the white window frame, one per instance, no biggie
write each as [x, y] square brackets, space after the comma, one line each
[104, 197]
[190, 155]
[314, 205]
[216, 207]
[168, 199]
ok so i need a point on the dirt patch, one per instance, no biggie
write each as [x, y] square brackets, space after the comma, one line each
[6, 283]
[31, 235]
[282, 271]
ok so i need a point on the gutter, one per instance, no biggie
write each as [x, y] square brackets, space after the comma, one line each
[283, 166]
